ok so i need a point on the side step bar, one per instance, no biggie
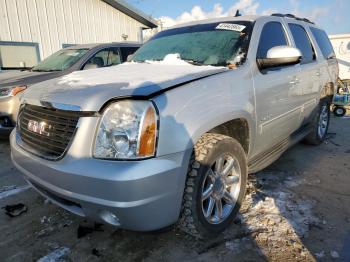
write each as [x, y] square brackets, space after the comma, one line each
[268, 157]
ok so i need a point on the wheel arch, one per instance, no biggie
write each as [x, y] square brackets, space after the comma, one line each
[238, 126]
[328, 91]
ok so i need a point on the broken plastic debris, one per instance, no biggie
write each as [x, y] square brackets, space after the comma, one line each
[15, 210]
[334, 254]
[56, 255]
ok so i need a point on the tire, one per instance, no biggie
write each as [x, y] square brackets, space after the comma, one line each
[202, 177]
[319, 125]
[339, 111]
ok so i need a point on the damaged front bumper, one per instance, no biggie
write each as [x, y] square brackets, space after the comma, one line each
[136, 195]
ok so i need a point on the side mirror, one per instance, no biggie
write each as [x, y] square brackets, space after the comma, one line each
[280, 56]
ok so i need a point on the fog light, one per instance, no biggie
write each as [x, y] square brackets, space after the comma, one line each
[109, 218]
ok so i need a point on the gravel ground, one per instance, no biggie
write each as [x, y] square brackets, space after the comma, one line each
[298, 209]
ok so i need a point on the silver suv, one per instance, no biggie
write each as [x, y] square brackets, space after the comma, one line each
[173, 134]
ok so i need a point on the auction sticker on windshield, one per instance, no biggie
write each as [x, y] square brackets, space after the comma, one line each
[231, 27]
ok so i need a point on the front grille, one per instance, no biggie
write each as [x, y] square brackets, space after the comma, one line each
[52, 141]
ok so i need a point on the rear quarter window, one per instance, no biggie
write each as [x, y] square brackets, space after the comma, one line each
[323, 42]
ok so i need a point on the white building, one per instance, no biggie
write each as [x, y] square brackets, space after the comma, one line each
[341, 45]
[31, 30]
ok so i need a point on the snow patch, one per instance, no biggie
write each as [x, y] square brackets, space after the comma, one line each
[170, 59]
[274, 215]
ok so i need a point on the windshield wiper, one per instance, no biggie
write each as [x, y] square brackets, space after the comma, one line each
[194, 62]
[41, 70]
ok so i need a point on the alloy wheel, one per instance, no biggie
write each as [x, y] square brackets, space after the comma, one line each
[220, 189]
[323, 121]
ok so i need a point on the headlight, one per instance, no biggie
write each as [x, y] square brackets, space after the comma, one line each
[128, 130]
[11, 91]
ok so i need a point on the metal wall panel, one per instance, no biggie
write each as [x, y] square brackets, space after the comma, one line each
[52, 23]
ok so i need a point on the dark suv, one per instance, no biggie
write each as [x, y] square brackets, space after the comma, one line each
[63, 62]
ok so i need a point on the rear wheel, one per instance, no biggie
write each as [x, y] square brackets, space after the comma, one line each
[215, 185]
[320, 124]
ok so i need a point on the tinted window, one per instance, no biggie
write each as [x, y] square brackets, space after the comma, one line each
[126, 51]
[272, 35]
[323, 42]
[103, 58]
[302, 42]
[100, 59]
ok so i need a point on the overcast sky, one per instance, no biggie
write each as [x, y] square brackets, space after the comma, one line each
[332, 15]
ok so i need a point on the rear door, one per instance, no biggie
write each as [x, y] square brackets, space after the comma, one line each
[277, 92]
[328, 62]
[309, 75]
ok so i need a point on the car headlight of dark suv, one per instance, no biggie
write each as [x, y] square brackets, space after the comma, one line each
[11, 91]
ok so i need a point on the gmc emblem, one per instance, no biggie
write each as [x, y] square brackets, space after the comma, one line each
[41, 128]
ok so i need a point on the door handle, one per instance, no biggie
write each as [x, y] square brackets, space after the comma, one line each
[318, 73]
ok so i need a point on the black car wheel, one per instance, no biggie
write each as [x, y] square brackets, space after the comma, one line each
[215, 185]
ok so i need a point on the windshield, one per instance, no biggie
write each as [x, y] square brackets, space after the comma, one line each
[60, 60]
[217, 44]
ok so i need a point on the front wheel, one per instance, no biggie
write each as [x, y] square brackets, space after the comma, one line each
[215, 185]
[319, 125]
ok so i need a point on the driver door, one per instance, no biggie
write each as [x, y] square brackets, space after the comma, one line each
[278, 108]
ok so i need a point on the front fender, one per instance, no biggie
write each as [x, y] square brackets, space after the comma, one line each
[187, 112]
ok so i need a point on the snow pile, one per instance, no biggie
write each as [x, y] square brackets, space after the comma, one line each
[133, 74]
[170, 59]
[275, 216]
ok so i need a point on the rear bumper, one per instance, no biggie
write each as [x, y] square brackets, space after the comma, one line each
[137, 195]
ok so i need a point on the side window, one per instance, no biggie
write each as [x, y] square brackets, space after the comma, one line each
[302, 41]
[98, 60]
[272, 35]
[126, 51]
[103, 58]
[114, 57]
[323, 42]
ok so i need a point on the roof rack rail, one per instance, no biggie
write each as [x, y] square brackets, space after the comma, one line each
[307, 21]
[293, 17]
[277, 14]
[290, 16]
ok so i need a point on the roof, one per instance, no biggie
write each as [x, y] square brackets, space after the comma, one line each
[114, 44]
[251, 18]
[132, 12]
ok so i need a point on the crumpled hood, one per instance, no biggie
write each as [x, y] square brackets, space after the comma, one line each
[91, 89]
